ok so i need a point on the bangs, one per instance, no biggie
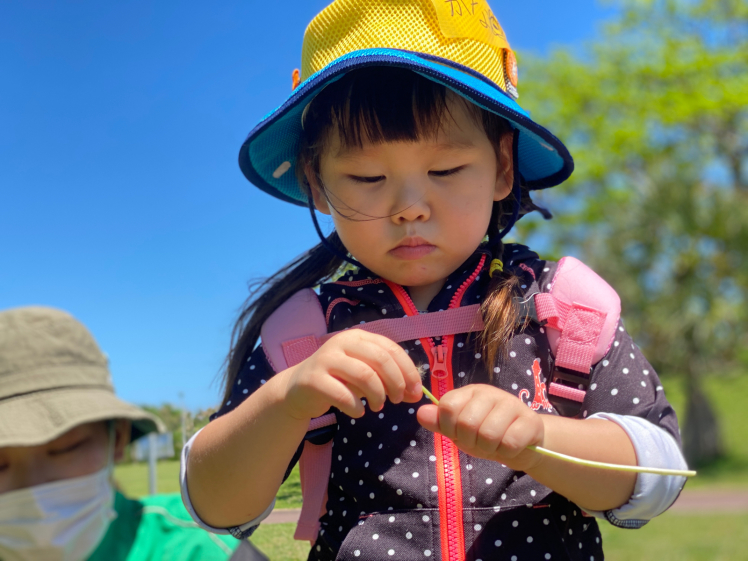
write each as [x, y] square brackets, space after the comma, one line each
[377, 105]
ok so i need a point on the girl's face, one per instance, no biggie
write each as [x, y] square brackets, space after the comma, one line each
[412, 212]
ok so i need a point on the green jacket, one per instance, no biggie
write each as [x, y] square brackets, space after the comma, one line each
[158, 528]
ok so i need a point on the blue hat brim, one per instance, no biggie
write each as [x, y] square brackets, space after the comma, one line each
[267, 157]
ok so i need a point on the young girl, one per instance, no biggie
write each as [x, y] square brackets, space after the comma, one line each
[405, 131]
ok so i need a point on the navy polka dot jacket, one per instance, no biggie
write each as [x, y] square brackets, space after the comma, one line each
[397, 491]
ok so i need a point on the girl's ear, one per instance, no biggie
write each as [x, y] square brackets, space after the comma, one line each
[318, 196]
[505, 168]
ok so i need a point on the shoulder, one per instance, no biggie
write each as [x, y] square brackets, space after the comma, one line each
[568, 271]
[536, 273]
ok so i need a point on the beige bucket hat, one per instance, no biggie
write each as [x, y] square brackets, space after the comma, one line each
[53, 377]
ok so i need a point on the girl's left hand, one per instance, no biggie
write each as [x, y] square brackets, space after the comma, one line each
[487, 422]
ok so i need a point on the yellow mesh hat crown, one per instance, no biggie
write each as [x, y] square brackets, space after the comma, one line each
[462, 31]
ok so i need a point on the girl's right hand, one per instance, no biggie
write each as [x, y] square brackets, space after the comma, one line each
[353, 364]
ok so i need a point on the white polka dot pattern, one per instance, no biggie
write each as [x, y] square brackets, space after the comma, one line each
[385, 465]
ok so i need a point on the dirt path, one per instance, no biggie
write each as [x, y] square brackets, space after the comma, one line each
[712, 501]
[697, 501]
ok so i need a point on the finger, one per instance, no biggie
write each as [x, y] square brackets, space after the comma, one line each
[340, 395]
[519, 435]
[450, 406]
[427, 415]
[352, 338]
[471, 418]
[407, 369]
[492, 431]
[383, 363]
[413, 381]
[360, 376]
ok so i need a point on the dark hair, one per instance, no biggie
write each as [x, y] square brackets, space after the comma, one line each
[376, 105]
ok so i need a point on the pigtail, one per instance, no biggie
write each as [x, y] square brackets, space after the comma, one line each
[500, 312]
[499, 316]
[307, 271]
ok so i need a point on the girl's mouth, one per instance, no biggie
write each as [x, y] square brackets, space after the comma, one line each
[412, 248]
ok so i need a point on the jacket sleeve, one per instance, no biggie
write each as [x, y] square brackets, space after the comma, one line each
[625, 389]
[624, 382]
[255, 372]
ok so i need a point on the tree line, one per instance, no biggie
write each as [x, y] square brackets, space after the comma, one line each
[655, 113]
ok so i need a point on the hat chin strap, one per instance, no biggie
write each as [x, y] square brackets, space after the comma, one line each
[516, 189]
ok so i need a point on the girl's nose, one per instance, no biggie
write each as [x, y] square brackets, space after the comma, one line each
[411, 205]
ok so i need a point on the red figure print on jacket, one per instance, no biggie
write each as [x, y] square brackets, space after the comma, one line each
[540, 399]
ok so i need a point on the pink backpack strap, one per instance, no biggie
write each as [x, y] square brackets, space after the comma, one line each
[314, 467]
[581, 312]
[292, 332]
[298, 328]
[290, 335]
[434, 324]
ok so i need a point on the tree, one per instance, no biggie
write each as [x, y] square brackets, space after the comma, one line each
[171, 415]
[656, 116]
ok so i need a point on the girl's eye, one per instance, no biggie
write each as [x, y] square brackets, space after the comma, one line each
[360, 179]
[446, 172]
[68, 449]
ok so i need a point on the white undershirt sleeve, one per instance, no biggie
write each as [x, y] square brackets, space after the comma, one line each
[653, 494]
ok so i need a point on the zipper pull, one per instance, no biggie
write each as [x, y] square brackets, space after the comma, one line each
[439, 370]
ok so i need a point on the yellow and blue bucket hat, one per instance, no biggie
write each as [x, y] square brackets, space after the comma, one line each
[456, 43]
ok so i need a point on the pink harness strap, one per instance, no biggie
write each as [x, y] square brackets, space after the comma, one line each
[409, 328]
[314, 468]
[295, 331]
[435, 324]
[567, 392]
[580, 328]
[576, 348]
[582, 312]
[297, 350]
[290, 335]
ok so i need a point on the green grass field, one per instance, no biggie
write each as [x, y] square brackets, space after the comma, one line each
[713, 537]
[133, 482]
[728, 394]
[132, 479]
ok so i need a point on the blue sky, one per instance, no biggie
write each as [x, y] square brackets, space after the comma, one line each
[120, 197]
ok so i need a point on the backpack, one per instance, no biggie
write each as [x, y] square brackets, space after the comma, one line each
[580, 312]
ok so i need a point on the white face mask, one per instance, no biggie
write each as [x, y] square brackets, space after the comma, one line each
[60, 521]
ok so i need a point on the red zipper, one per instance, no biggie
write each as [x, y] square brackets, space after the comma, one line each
[448, 475]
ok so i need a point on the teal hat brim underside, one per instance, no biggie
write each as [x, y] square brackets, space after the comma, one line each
[267, 157]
